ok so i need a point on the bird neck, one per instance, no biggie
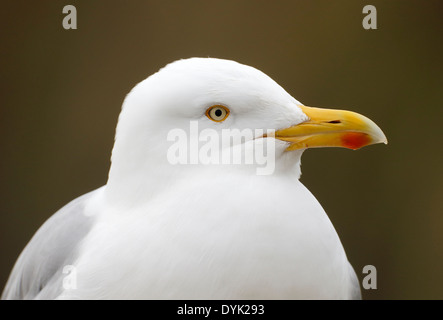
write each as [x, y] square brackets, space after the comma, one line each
[139, 174]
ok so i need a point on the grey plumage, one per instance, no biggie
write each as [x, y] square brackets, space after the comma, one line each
[38, 272]
[355, 288]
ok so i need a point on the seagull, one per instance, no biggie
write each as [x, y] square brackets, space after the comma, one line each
[165, 230]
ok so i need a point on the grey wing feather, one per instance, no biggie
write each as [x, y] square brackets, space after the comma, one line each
[38, 272]
[354, 292]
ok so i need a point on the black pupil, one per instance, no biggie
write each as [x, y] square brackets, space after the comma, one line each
[218, 113]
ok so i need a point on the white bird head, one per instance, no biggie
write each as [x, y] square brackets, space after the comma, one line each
[220, 94]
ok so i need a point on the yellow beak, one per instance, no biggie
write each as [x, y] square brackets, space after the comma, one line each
[332, 128]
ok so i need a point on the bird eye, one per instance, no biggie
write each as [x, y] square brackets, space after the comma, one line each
[217, 113]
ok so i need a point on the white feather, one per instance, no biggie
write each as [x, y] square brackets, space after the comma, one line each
[163, 231]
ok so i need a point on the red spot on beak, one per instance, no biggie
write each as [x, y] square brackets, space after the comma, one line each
[355, 140]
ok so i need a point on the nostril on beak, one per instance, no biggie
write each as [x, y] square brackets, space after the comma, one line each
[334, 121]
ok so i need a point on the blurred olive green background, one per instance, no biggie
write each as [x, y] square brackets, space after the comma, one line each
[61, 93]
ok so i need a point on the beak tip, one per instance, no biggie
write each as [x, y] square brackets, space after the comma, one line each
[377, 133]
[383, 140]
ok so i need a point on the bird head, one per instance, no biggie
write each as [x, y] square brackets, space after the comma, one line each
[218, 95]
